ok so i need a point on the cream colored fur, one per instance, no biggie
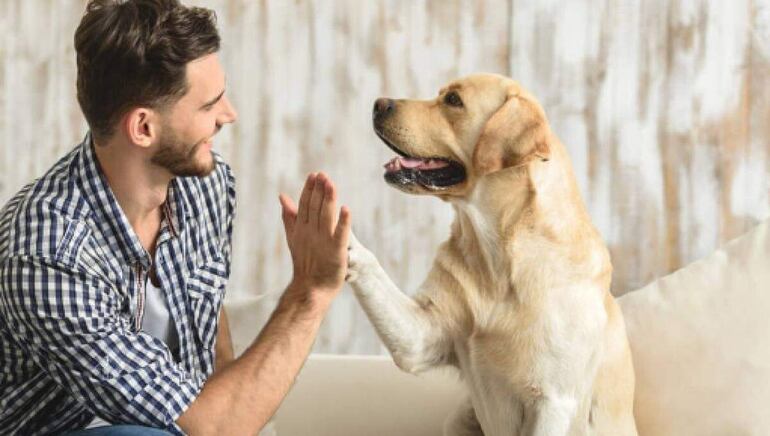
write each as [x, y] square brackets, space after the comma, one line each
[518, 297]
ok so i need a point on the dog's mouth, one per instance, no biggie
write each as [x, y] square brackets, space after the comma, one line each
[431, 173]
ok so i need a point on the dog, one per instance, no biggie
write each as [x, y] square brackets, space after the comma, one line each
[518, 297]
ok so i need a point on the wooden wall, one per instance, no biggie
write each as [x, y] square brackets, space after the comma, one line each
[664, 106]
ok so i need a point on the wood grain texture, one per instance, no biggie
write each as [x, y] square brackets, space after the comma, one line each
[663, 105]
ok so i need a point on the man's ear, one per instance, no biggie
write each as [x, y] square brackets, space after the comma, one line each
[141, 126]
[515, 135]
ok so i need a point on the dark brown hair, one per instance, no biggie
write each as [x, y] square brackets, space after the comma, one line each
[134, 53]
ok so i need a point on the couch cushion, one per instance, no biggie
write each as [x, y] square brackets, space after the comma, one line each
[700, 339]
[366, 395]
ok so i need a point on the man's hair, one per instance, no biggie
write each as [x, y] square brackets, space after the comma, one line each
[133, 53]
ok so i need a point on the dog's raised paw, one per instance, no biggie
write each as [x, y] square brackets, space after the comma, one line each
[358, 258]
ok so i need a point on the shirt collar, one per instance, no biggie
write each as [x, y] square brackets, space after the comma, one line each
[175, 212]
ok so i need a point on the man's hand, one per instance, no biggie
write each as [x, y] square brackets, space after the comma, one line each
[317, 238]
[242, 396]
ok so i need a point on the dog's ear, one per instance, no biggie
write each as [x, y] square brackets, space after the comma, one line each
[515, 135]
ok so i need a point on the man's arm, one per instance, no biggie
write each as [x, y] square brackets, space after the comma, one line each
[241, 398]
[65, 322]
[224, 347]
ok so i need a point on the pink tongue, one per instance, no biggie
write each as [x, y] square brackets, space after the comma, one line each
[411, 163]
[397, 163]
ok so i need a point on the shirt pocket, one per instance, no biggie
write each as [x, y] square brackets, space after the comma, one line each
[206, 288]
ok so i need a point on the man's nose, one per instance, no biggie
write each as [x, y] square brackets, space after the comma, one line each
[229, 115]
[382, 108]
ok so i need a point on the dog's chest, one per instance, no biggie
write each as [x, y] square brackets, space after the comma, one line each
[508, 343]
[496, 404]
[512, 337]
[516, 350]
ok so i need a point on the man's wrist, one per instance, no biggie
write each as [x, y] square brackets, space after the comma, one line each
[309, 298]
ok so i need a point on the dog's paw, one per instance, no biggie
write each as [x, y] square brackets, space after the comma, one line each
[359, 258]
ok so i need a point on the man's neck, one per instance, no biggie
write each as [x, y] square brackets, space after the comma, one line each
[139, 186]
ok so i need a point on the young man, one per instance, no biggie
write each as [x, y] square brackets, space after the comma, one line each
[113, 264]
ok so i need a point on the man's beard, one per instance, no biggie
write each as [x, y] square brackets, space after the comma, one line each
[180, 158]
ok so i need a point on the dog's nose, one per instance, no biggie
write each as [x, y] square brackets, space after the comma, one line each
[382, 108]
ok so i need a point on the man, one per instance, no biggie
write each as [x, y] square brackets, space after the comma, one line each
[113, 264]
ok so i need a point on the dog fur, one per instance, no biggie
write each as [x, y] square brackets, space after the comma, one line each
[518, 296]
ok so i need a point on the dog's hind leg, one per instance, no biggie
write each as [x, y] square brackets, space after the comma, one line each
[463, 421]
[409, 331]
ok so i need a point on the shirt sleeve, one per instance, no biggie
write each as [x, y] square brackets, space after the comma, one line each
[70, 323]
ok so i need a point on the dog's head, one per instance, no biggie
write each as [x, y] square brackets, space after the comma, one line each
[476, 126]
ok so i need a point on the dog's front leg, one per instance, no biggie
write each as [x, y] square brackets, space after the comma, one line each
[550, 416]
[415, 342]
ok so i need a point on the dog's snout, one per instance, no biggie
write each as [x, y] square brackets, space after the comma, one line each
[382, 108]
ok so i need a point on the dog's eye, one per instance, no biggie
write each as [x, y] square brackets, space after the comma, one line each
[453, 99]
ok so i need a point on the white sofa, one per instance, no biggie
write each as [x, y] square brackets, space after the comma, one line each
[365, 395]
[700, 339]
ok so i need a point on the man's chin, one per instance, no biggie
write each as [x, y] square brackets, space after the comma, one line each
[200, 167]
[203, 168]
[208, 167]
[196, 161]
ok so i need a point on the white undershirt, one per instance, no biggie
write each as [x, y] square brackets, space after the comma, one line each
[156, 322]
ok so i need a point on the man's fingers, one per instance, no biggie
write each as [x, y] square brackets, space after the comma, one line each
[304, 199]
[287, 204]
[316, 200]
[342, 234]
[328, 209]
[288, 213]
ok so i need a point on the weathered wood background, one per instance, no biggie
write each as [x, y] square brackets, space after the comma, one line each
[664, 106]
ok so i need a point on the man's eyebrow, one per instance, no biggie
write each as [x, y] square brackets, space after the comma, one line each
[214, 101]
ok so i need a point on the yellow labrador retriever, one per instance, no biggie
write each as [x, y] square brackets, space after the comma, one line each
[518, 297]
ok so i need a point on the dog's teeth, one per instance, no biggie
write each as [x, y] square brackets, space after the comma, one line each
[392, 165]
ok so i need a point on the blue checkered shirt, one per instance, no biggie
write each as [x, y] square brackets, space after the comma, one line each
[72, 274]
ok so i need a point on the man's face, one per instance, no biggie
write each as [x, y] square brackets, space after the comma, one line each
[188, 127]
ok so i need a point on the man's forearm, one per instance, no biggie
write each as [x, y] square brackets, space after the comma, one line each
[242, 397]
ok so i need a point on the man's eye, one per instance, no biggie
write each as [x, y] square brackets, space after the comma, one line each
[453, 99]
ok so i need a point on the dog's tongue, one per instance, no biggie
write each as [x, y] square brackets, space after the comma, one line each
[408, 162]
[398, 163]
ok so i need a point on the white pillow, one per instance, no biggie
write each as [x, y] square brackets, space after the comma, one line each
[700, 339]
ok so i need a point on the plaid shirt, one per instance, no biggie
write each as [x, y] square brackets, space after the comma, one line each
[72, 273]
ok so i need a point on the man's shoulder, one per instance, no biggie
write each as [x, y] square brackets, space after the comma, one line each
[38, 218]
